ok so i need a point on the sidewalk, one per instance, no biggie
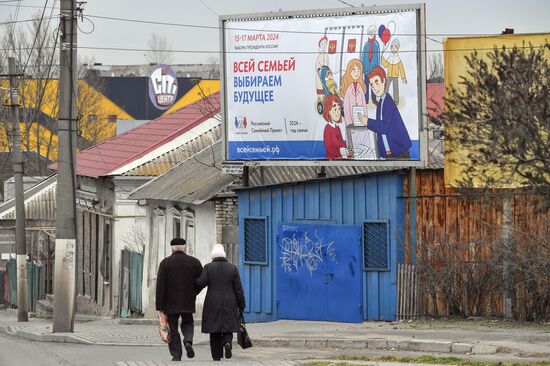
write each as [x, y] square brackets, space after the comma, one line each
[440, 336]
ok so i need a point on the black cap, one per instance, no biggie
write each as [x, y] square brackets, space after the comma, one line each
[178, 241]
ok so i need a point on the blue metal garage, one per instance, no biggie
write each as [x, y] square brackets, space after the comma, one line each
[322, 250]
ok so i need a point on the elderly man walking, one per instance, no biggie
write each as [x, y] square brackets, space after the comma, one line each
[176, 295]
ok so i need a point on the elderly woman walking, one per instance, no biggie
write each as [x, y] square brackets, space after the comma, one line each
[223, 304]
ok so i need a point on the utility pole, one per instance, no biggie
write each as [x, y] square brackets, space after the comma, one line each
[17, 160]
[507, 241]
[65, 240]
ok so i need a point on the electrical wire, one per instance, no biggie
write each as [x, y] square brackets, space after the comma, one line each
[7, 22]
[36, 35]
[123, 49]
[214, 27]
[91, 22]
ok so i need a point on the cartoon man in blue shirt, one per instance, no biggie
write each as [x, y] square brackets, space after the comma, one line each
[392, 138]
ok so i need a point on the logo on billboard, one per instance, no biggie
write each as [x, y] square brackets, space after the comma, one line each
[163, 87]
[240, 123]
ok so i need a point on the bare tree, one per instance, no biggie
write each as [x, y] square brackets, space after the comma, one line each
[135, 240]
[35, 49]
[497, 121]
[214, 67]
[159, 50]
[435, 68]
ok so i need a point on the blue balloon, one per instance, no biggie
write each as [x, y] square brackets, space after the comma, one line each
[381, 30]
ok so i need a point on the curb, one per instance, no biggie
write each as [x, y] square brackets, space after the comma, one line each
[414, 345]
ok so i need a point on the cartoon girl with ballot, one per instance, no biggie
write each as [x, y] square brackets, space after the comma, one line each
[332, 135]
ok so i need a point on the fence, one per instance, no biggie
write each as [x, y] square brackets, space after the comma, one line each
[459, 253]
[131, 280]
[407, 291]
[35, 284]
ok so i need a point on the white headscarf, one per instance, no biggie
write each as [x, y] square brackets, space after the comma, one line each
[217, 251]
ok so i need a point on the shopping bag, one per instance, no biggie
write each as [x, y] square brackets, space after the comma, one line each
[242, 335]
[164, 328]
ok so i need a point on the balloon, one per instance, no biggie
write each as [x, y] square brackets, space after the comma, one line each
[381, 30]
[391, 26]
[386, 35]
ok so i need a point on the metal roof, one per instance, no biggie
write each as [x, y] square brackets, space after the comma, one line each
[171, 159]
[273, 175]
[39, 202]
[112, 155]
[194, 181]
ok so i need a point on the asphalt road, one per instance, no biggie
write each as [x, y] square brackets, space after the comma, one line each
[20, 352]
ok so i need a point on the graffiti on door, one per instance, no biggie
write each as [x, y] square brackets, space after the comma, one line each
[304, 249]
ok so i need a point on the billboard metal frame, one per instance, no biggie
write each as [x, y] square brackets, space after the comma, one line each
[420, 10]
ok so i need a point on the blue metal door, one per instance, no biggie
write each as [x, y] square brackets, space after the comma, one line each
[319, 272]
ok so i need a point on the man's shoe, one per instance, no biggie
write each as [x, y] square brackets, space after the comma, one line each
[189, 349]
[176, 359]
[227, 348]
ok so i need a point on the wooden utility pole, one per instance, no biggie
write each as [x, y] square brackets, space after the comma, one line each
[65, 241]
[17, 160]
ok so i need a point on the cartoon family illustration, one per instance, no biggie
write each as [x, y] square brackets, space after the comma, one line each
[365, 80]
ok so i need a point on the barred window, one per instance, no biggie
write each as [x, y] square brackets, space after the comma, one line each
[375, 245]
[255, 241]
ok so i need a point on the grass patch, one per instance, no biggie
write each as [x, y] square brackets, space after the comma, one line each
[423, 360]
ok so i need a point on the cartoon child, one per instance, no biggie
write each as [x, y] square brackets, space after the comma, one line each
[395, 68]
[393, 140]
[332, 136]
[330, 84]
[322, 60]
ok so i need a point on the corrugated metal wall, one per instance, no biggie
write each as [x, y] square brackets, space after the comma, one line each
[347, 201]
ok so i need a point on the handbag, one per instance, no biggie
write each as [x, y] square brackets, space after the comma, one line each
[242, 335]
[164, 328]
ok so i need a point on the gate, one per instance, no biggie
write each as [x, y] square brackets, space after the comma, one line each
[35, 284]
[319, 275]
[131, 280]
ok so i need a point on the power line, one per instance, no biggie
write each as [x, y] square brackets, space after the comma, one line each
[214, 27]
[209, 8]
[26, 20]
[345, 3]
[2, 3]
[271, 52]
[36, 35]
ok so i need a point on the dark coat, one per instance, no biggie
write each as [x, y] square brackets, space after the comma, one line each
[176, 283]
[224, 299]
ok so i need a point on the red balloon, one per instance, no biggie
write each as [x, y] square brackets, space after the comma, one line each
[386, 35]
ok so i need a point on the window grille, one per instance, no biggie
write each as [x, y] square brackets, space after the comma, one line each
[255, 241]
[375, 245]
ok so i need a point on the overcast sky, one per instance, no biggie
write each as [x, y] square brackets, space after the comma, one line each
[443, 17]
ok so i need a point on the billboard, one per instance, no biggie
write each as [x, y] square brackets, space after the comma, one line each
[330, 86]
[459, 167]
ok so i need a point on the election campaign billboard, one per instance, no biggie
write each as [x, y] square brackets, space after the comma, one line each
[344, 86]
